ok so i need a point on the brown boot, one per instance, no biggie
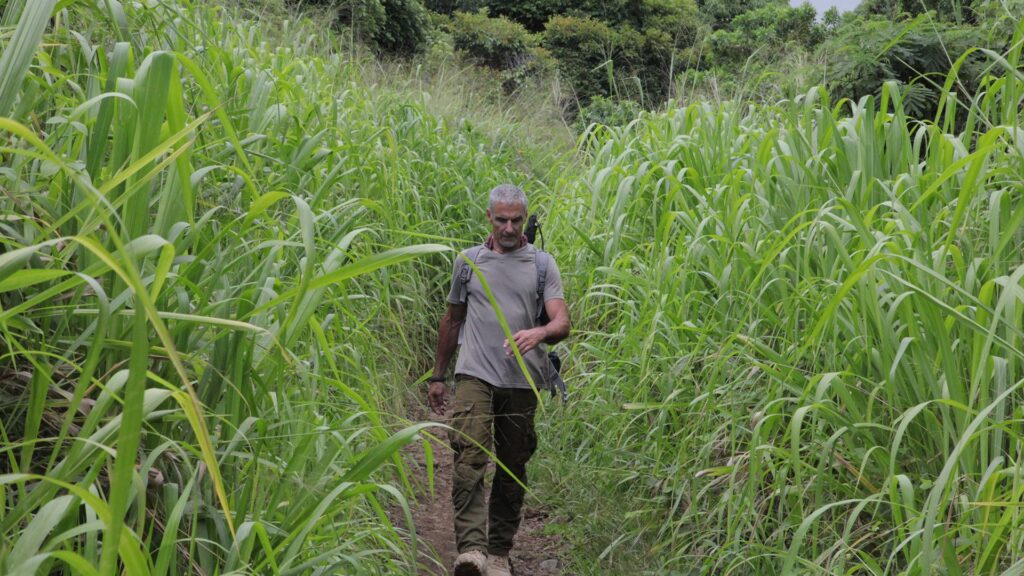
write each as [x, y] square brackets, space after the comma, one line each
[499, 566]
[472, 563]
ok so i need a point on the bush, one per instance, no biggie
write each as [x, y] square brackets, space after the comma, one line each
[446, 7]
[500, 44]
[440, 45]
[584, 50]
[620, 48]
[666, 15]
[948, 10]
[393, 26]
[625, 64]
[720, 13]
[364, 17]
[765, 32]
[532, 14]
[607, 112]
[405, 27]
[999, 19]
[863, 55]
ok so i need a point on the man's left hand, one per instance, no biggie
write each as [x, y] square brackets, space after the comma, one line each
[526, 340]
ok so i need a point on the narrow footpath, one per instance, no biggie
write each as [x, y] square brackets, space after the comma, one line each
[534, 553]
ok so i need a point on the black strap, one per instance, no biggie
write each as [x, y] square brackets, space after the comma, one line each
[540, 260]
[466, 271]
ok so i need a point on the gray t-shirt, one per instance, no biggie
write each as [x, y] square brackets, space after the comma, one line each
[512, 277]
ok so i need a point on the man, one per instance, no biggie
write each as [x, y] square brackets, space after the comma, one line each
[494, 404]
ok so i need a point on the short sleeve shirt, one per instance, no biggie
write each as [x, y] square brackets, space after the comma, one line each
[512, 278]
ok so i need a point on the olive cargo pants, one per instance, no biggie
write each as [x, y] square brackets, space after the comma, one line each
[484, 413]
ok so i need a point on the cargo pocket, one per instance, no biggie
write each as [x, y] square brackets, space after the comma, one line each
[459, 422]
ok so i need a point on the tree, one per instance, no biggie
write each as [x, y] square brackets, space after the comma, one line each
[720, 13]
[404, 30]
[584, 49]
[499, 44]
[616, 48]
[765, 31]
[959, 11]
[630, 52]
[394, 26]
[863, 55]
[831, 18]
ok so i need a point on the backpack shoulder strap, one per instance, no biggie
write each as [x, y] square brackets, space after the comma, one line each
[466, 272]
[541, 259]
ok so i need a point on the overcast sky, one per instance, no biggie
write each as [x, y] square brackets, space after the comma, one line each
[822, 5]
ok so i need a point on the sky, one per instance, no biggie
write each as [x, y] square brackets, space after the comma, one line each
[822, 5]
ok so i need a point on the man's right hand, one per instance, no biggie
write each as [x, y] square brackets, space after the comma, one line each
[435, 397]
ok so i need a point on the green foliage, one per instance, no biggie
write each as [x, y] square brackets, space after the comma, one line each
[998, 18]
[799, 345]
[976, 12]
[673, 16]
[650, 41]
[831, 19]
[405, 27]
[495, 42]
[500, 44]
[607, 112]
[585, 49]
[393, 26]
[946, 10]
[365, 18]
[764, 33]
[624, 48]
[532, 14]
[625, 63]
[446, 7]
[647, 58]
[720, 13]
[865, 53]
[205, 267]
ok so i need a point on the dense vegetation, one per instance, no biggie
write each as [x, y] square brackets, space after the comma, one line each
[191, 204]
[802, 350]
[621, 54]
[224, 241]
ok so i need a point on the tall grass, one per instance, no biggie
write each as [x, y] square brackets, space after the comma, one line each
[223, 245]
[801, 338]
[213, 236]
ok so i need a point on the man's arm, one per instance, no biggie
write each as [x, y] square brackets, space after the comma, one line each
[556, 330]
[447, 341]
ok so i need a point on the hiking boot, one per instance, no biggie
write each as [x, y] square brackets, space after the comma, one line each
[472, 563]
[499, 566]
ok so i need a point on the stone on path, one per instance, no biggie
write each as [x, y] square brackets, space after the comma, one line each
[549, 565]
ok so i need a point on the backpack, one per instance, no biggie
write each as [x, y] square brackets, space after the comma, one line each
[466, 272]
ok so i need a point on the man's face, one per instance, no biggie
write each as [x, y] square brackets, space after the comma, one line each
[507, 219]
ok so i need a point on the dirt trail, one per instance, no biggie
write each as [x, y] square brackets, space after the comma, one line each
[534, 553]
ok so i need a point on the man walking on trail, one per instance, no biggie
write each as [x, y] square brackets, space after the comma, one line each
[494, 404]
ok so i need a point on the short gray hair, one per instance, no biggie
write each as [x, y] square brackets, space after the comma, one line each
[507, 194]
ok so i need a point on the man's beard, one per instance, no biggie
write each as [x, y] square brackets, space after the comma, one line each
[508, 242]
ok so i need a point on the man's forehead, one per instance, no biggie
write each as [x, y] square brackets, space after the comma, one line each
[510, 209]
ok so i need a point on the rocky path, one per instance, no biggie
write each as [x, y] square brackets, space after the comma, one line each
[534, 554]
